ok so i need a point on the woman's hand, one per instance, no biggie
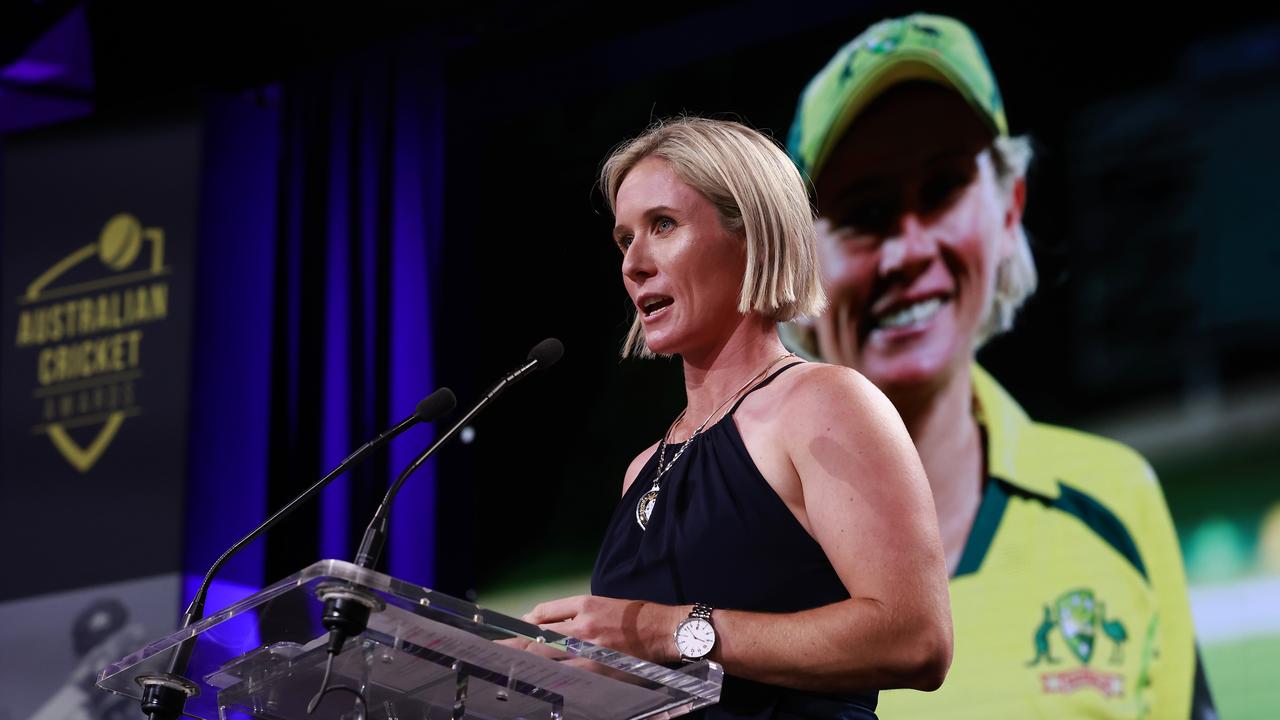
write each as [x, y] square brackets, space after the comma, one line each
[639, 629]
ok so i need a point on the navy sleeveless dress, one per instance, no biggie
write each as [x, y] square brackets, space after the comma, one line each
[720, 535]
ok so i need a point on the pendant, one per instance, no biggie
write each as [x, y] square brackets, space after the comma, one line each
[644, 508]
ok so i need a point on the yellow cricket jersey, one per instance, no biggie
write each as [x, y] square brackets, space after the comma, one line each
[1069, 599]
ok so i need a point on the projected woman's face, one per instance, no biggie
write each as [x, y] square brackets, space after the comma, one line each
[912, 224]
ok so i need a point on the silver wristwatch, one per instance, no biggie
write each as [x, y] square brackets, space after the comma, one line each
[695, 635]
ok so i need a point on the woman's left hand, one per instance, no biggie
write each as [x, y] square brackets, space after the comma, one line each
[637, 628]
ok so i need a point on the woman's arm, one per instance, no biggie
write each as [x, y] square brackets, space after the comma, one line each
[867, 502]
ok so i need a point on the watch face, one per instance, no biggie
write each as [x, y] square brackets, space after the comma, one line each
[695, 637]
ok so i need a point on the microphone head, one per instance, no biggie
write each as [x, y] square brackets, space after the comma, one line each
[436, 405]
[547, 352]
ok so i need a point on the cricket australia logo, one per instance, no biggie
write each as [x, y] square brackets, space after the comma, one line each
[1081, 622]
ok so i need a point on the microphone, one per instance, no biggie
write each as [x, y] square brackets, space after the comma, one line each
[542, 356]
[429, 409]
[346, 612]
[547, 353]
[159, 700]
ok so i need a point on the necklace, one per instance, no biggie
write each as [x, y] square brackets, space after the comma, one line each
[644, 508]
